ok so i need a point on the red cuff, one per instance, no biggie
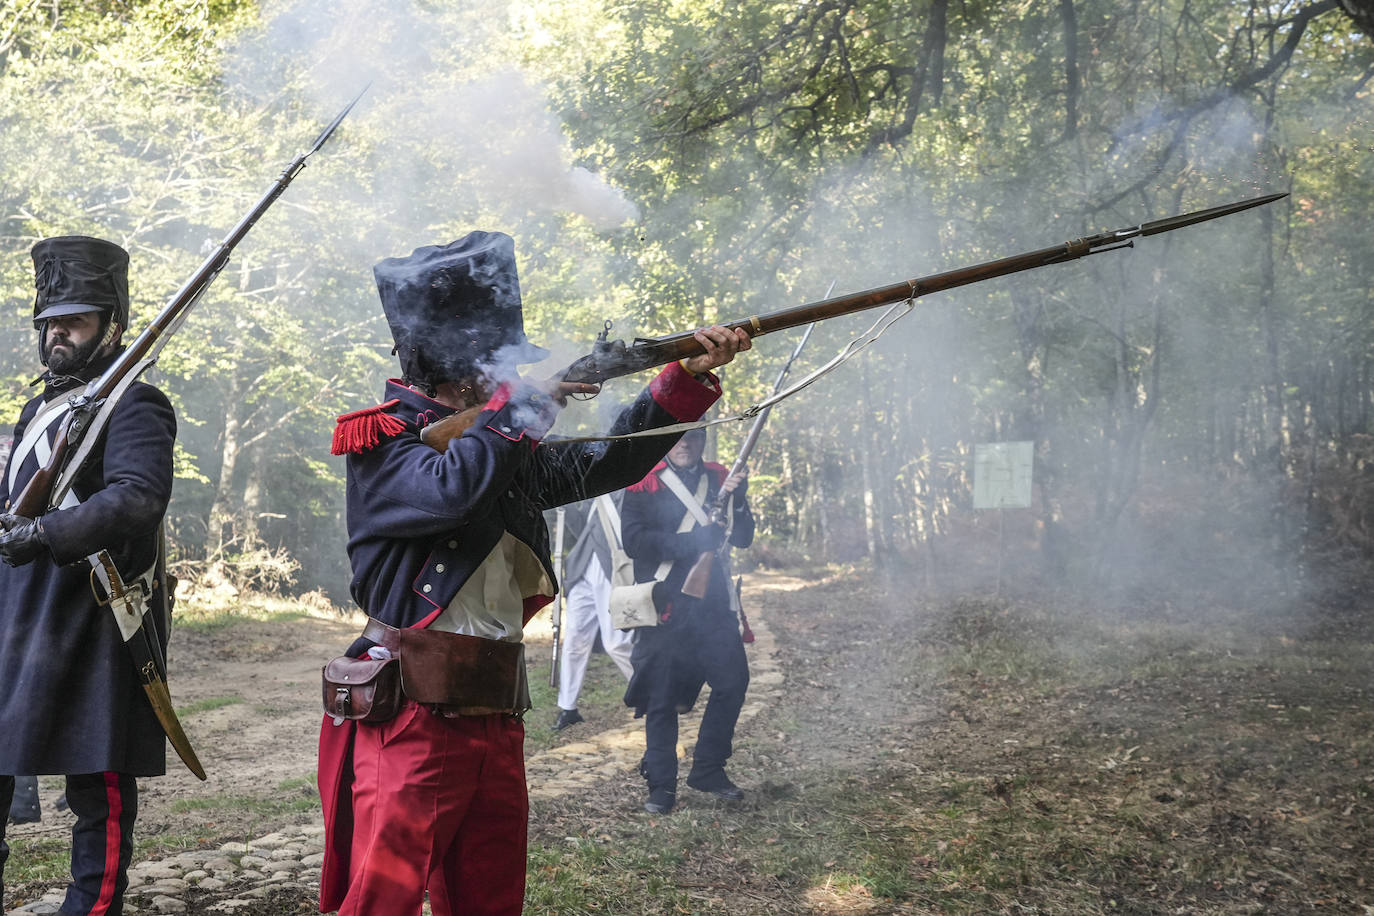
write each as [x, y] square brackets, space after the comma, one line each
[500, 398]
[685, 396]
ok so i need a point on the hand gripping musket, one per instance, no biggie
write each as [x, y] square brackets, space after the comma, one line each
[613, 358]
[90, 413]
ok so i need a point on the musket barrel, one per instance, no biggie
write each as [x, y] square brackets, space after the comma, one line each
[598, 367]
[37, 495]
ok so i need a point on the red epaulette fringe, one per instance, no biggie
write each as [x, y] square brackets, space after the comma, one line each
[362, 430]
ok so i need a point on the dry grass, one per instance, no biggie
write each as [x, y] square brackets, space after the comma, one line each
[975, 756]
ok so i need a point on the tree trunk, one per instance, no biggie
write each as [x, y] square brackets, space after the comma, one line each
[220, 525]
[1071, 84]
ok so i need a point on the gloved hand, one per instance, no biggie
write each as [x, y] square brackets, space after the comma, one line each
[707, 538]
[22, 540]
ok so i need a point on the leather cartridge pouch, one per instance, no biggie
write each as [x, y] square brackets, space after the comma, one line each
[365, 689]
[458, 674]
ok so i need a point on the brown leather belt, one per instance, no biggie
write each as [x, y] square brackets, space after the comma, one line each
[455, 674]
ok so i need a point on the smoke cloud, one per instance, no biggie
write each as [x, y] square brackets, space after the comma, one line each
[442, 79]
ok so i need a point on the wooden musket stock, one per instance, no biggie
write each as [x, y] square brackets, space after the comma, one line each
[441, 432]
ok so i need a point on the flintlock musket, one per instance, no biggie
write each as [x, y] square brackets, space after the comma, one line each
[614, 358]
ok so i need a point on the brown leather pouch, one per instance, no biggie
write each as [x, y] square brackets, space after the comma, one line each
[365, 689]
[466, 675]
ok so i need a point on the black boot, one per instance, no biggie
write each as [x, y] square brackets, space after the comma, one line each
[566, 718]
[718, 784]
[24, 807]
[661, 801]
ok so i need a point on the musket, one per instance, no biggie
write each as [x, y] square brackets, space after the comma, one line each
[699, 576]
[613, 358]
[47, 487]
[559, 514]
[89, 414]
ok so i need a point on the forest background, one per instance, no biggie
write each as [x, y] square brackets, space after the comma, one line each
[1200, 405]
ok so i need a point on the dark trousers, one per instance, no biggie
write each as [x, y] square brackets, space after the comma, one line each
[6, 797]
[105, 805]
[24, 807]
[705, 647]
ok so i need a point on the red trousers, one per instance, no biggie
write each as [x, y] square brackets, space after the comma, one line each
[439, 805]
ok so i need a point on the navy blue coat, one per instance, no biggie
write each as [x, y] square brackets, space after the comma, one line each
[420, 522]
[650, 518]
[72, 703]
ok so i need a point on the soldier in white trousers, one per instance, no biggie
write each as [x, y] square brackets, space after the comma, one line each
[588, 574]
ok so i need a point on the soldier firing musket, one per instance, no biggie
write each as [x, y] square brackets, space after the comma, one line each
[611, 359]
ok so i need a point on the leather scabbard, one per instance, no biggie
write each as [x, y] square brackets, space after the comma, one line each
[149, 665]
[155, 686]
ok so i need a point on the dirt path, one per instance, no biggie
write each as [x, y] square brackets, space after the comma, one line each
[958, 755]
[249, 699]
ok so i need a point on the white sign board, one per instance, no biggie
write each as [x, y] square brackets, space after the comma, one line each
[1002, 475]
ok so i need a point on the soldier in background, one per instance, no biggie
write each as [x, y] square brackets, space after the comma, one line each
[587, 584]
[697, 640]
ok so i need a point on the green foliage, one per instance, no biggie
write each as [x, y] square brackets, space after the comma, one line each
[770, 149]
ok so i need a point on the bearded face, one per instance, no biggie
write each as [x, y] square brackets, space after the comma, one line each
[69, 342]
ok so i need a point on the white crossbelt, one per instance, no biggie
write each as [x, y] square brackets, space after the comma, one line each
[128, 608]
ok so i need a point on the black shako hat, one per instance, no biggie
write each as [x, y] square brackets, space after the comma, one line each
[455, 311]
[75, 274]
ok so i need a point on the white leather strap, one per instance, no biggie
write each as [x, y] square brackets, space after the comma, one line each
[610, 518]
[686, 497]
[36, 431]
[129, 608]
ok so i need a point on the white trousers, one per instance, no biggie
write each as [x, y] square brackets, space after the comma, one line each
[588, 610]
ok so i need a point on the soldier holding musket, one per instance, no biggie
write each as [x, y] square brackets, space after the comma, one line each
[73, 703]
[450, 559]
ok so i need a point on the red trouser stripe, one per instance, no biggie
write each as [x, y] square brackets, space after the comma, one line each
[115, 801]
